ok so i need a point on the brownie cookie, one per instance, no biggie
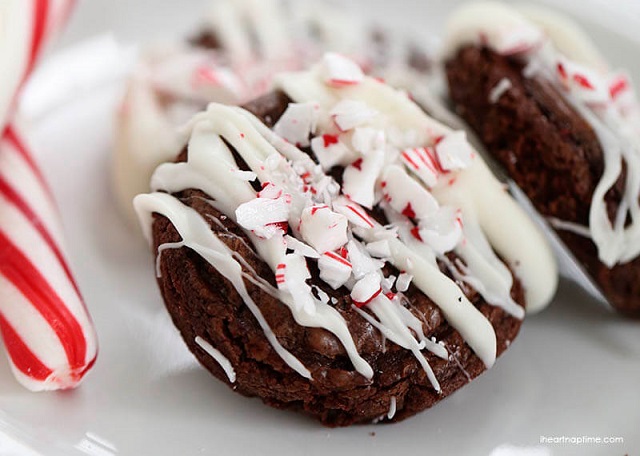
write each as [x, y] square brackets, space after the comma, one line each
[361, 308]
[539, 113]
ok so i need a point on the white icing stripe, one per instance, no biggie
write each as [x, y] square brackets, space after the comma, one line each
[575, 228]
[491, 24]
[224, 362]
[606, 101]
[25, 319]
[210, 165]
[392, 408]
[459, 312]
[20, 177]
[393, 328]
[566, 35]
[499, 89]
[197, 236]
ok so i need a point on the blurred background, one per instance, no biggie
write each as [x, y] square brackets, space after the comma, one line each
[135, 21]
[161, 19]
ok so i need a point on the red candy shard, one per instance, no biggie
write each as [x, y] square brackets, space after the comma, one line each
[408, 211]
[618, 86]
[415, 232]
[583, 81]
[561, 70]
[329, 139]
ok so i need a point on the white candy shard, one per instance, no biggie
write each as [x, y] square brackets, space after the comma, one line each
[338, 71]
[362, 263]
[583, 82]
[297, 123]
[423, 162]
[300, 247]
[454, 151]
[442, 230]
[405, 195]
[330, 151]
[403, 282]
[366, 289]
[349, 114]
[270, 191]
[359, 178]
[267, 214]
[517, 40]
[291, 276]
[334, 269]
[379, 249]
[323, 229]
[387, 283]
[367, 139]
[247, 176]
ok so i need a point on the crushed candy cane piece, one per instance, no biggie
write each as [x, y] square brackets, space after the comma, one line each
[359, 179]
[618, 85]
[441, 230]
[583, 82]
[366, 289]
[334, 269]
[379, 249]
[454, 151]
[300, 247]
[387, 283]
[406, 196]
[403, 282]
[349, 114]
[330, 151]
[423, 162]
[354, 213]
[297, 123]
[265, 216]
[339, 71]
[323, 229]
[361, 262]
[291, 276]
[270, 191]
[366, 139]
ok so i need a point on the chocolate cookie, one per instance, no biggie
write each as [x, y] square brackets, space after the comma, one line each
[291, 328]
[528, 119]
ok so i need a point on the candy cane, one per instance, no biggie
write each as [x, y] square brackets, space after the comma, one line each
[45, 325]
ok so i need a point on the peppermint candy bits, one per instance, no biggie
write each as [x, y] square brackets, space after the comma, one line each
[339, 71]
[323, 229]
[267, 214]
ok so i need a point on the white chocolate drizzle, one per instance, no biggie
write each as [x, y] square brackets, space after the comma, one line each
[392, 408]
[224, 362]
[499, 89]
[604, 99]
[298, 196]
[197, 236]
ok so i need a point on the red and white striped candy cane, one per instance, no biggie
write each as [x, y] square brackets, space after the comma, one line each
[46, 328]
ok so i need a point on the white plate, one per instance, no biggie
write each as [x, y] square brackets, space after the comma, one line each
[574, 371]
